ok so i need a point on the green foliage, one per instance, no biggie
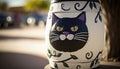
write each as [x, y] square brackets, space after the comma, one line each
[37, 5]
[3, 6]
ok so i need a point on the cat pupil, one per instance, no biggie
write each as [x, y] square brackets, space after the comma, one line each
[59, 29]
[74, 29]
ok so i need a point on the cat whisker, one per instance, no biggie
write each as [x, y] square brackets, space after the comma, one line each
[53, 34]
[80, 39]
[81, 33]
[54, 39]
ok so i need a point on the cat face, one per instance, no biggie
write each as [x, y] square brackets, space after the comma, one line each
[69, 34]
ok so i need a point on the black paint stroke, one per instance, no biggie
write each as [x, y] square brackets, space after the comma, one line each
[98, 15]
[96, 60]
[89, 55]
[64, 61]
[90, 2]
[62, 7]
[50, 54]
[78, 5]
[78, 67]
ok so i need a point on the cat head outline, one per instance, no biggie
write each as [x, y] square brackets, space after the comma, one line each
[69, 34]
[81, 17]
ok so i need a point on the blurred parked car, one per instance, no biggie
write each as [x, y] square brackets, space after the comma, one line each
[36, 19]
[5, 20]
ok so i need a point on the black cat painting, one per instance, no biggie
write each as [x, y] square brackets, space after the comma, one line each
[69, 34]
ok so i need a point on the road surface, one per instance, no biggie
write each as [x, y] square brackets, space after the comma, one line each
[23, 48]
[28, 40]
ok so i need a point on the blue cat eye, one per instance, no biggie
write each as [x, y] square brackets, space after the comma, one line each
[74, 28]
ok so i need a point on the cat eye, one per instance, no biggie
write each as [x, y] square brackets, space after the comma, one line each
[59, 29]
[74, 29]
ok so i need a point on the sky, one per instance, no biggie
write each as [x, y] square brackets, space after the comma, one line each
[14, 3]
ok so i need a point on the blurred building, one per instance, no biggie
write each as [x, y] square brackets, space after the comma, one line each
[17, 9]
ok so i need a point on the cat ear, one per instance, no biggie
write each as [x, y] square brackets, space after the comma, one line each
[54, 18]
[82, 17]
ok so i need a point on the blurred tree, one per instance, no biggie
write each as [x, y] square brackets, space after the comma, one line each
[111, 11]
[37, 5]
[3, 6]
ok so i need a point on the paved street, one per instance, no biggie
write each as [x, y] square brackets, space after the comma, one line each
[24, 48]
[28, 40]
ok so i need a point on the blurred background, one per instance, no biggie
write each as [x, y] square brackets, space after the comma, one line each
[23, 12]
[22, 27]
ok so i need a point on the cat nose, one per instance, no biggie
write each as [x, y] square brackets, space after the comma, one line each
[66, 33]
